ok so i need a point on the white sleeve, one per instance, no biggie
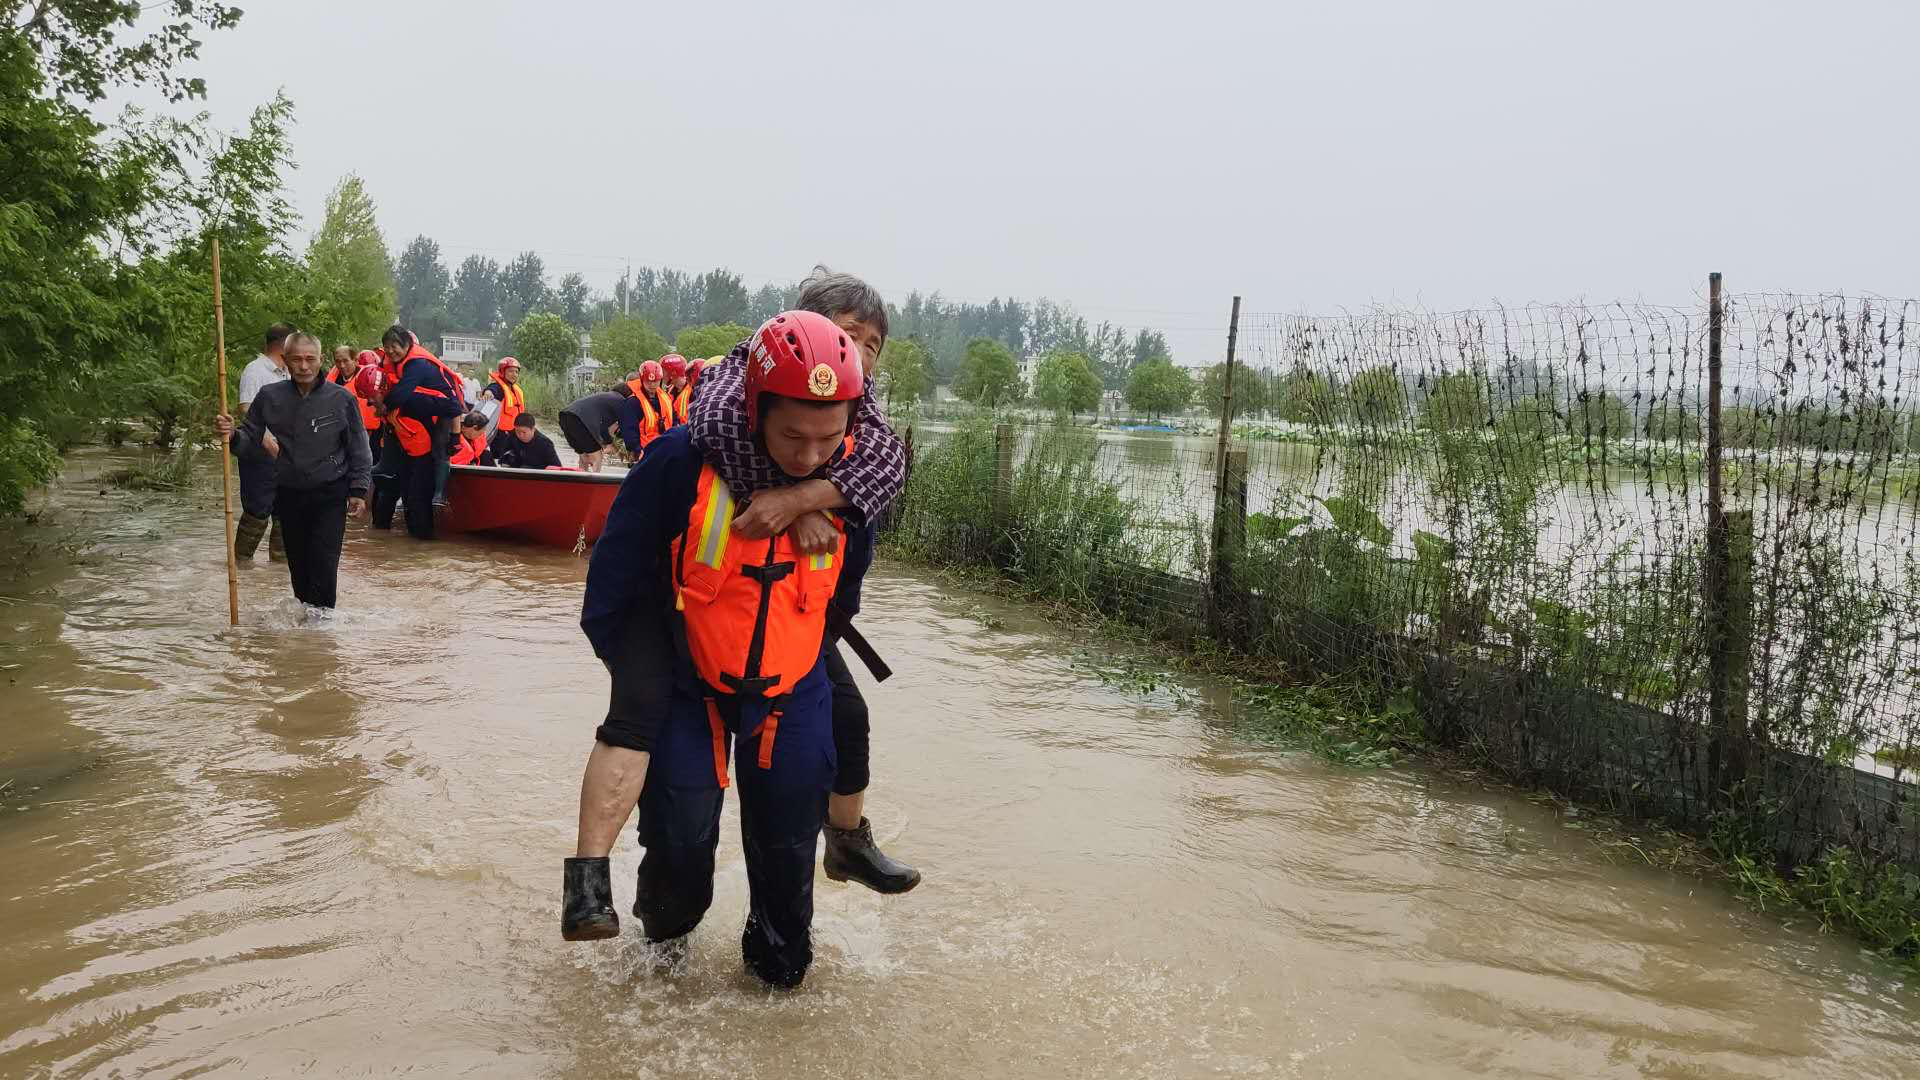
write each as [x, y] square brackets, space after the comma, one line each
[250, 383]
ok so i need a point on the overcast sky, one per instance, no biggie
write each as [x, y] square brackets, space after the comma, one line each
[1142, 161]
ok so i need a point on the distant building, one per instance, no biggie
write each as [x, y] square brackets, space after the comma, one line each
[469, 349]
[587, 371]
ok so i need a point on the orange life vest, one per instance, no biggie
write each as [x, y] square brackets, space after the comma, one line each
[513, 401]
[681, 402]
[466, 451]
[755, 611]
[368, 418]
[656, 414]
[415, 437]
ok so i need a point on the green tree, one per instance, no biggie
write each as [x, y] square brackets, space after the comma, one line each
[572, 301]
[474, 304]
[1672, 423]
[1456, 401]
[523, 288]
[1599, 415]
[347, 273]
[624, 344]
[1529, 418]
[1304, 396]
[712, 339]
[989, 376]
[1745, 428]
[1157, 388]
[1065, 382]
[904, 372]
[420, 287]
[1378, 398]
[546, 344]
[1252, 391]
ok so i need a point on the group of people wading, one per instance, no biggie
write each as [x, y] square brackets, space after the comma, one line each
[718, 594]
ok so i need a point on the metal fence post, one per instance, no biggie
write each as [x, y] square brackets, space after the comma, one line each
[1219, 554]
[1727, 726]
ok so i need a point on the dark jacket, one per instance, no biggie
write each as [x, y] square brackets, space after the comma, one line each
[629, 593]
[511, 453]
[601, 411]
[321, 436]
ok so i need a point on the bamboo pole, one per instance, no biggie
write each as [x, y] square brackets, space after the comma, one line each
[226, 463]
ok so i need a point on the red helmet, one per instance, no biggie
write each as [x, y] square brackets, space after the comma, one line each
[674, 364]
[694, 368]
[369, 357]
[367, 381]
[650, 371]
[507, 362]
[799, 354]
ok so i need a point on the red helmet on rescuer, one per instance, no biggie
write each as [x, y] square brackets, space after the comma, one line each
[366, 382]
[370, 357]
[650, 371]
[694, 368]
[507, 362]
[799, 354]
[674, 364]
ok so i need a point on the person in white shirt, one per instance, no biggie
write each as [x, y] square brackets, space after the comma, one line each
[258, 469]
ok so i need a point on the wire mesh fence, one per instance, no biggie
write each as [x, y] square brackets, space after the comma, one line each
[1511, 513]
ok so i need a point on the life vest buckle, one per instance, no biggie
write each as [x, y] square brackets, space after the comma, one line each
[767, 573]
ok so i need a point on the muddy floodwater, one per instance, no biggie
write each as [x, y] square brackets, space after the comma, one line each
[287, 850]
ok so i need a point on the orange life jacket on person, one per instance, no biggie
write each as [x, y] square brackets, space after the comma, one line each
[415, 437]
[755, 611]
[681, 402]
[368, 418]
[656, 414]
[513, 401]
[466, 451]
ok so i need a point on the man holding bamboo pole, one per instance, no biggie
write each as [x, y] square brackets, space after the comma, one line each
[309, 431]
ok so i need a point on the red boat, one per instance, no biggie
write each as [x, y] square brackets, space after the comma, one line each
[560, 508]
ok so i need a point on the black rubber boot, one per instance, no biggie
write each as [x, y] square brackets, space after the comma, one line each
[247, 534]
[852, 854]
[586, 908]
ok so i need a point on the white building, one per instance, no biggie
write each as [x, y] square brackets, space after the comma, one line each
[465, 349]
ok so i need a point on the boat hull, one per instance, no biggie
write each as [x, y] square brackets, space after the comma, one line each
[555, 507]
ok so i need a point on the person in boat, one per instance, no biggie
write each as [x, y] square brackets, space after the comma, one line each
[347, 365]
[309, 430]
[718, 643]
[504, 387]
[861, 485]
[471, 446]
[423, 396]
[593, 423]
[524, 447]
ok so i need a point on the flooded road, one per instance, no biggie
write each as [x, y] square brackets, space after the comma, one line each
[283, 850]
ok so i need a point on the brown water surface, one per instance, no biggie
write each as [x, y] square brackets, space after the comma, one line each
[297, 850]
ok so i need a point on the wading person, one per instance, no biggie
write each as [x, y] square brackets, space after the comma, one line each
[310, 430]
[423, 397]
[717, 643]
[524, 447]
[651, 412]
[861, 486]
[592, 423]
[257, 471]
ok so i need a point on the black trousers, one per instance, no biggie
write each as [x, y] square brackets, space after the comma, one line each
[850, 726]
[388, 462]
[257, 481]
[417, 476]
[313, 522]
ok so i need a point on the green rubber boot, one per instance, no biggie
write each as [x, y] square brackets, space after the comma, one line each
[276, 547]
[246, 536]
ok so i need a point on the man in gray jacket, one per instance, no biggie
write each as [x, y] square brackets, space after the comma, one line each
[312, 430]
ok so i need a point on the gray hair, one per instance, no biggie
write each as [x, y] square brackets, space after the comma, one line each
[825, 292]
[302, 336]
